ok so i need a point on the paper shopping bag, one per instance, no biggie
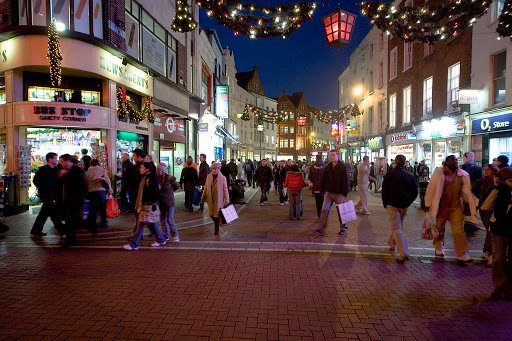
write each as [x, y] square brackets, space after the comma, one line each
[347, 211]
[228, 214]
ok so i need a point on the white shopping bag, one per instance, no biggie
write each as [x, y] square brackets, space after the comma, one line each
[347, 211]
[228, 214]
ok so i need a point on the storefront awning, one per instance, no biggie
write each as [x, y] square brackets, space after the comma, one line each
[224, 133]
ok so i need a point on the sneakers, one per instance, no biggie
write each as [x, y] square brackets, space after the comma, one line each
[175, 239]
[343, 230]
[282, 204]
[262, 204]
[128, 247]
[465, 258]
[440, 252]
[157, 244]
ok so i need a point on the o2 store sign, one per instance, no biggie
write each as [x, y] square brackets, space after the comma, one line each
[492, 124]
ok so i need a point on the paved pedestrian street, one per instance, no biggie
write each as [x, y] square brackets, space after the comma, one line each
[267, 278]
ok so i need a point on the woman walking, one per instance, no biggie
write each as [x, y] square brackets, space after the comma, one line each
[98, 185]
[215, 194]
[146, 207]
[168, 185]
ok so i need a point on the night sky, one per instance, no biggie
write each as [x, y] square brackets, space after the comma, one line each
[302, 62]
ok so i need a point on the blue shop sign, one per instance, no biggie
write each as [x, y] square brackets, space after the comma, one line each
[492, 124]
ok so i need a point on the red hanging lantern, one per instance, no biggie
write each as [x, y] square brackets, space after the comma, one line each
[301, 121]
[338, 28]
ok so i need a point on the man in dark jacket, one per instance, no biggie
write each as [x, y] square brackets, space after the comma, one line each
[398, 192]
[45, 180]
[233, 169]
[264, 176]
[336, 184]
[128, 184]
[474, 171]
[249, 172]
[315, 173]
[204, 170]
[189, 180]
[72, 180]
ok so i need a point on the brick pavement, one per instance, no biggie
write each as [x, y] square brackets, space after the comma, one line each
[164, 294]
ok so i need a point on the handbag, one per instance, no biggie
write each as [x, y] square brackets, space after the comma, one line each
[113, 210]
[149, 214]
[228, 214]
[429, 229]
[197, 196]
[347, 211]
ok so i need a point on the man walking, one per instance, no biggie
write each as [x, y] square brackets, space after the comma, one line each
[204, 170]
[474, 171]
[335, 184]
[363, 177]
[315, 173]
[249, 171]
[127, 183]
[45, 180]
[398, 192]
[447, 187]
[264, 176]
[189, 180]
[233, 169]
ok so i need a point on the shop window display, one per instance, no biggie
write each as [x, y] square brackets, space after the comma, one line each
[500, 146]
[47, 94]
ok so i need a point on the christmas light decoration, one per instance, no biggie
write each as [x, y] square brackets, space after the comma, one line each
[125, 110]
[428, 24]
[505, 20]
[183, 21]
[256, 21]
[338, 27]
[54, 55]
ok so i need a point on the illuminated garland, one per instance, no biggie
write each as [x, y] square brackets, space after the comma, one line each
[427, 24]
[255, 21]
[183, 21]
[125, 110]
[505, 20]
[54, 55]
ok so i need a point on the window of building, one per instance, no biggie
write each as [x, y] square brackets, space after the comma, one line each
[392, 110]
[453, 85]
[292, 143]
[370, 120]
[497, 8]
[393, 60]
[381, 75]
[47, 94]
[428, 49]
[273, 140]
[427, 96]
[292, 116]
[407, 55]
[370, 85]
[406, 112]
[283, 106]
[380, 114]
[499, 77]
[204, 86]
[255, 87]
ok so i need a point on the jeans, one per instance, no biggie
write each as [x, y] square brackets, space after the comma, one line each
[168, 224]
[140, 233]
[502, 264]
[126, 204]
[97, 204]
[264, 190]
[396, 220]
[329, 200]
[380, 179]
[48, 209]
[294, 209]
[456, 218]
[319, 200]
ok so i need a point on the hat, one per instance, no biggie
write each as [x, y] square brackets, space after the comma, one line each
[162, 167]
[505, 174]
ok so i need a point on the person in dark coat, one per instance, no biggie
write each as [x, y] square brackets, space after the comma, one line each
[502, 161]
[249, 172]
[168, 185]
[264, 176]
[204, 170]
[71, 178]
[45, 180]
[233, 169]
[85, 160]
[128, 183]
[315, 173]
[224, 170]
[474, 171]
[189, 180]
[399, 190]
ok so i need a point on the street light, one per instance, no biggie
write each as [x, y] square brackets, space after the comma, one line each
[260, 129]
[357, 91]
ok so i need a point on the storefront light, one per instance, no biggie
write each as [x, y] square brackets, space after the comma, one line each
[60, 26]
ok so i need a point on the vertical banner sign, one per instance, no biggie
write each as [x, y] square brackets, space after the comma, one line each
[81, 18]
[153, 51]
[335, 128]
[97, 19]
[132, 36]
[222, 101]
[171, 65]
[39, 12]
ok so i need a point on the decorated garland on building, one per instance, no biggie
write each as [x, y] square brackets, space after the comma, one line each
[126, 111]
[183, 21]
[54, 55]
[505, 20]
[428, 23]
[256, 21]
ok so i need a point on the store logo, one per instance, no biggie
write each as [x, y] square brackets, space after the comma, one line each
[4, 56]
[47, 113]
[485, 125]
[170, 125]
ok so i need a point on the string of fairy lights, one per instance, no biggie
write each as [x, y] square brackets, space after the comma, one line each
[54, 55]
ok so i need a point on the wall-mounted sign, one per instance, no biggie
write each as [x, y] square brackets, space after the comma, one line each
[439, 128]
[375, 142]
[335, 128]
[65, 114]
[222, 101]
[400, 138]
[153, 51]
[169, 128]
[468, 96]
[492, 124]
[203, 127]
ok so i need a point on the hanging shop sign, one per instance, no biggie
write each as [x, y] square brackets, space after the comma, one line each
[439, 128]
[468, 96]
[203, 127]
[335, 128]
[222, 101]
[492, 124]
[169, 128]
[375, 142]
[401, 138]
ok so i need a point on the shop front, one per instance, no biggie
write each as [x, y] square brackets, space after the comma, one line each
[491, 135]
[169, 139]
[438, 138]
[400, 143]
[211, 137]
[376, 147]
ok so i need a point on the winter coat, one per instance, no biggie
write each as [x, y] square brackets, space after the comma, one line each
[204, 170]
[73, 189]
[168, 185]
[264, 175]
[315, 176]
[215, 194]
[128, 179]
[435, 192]
[189, 178]
[502, 213]
[45, 180]
[95, 178]
[233, 169]
[399, 188]
[335, 179]
[248, 167]
[474, 171]
[294, 181]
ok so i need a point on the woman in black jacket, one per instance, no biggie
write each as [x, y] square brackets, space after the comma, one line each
[147, 208]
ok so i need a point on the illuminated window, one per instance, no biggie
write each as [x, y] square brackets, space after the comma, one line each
[393, 60]
[407, 56]
[499, 77]
[453, 84]
[427, 96]
[47, 94]
[392, 110]
[406, 118]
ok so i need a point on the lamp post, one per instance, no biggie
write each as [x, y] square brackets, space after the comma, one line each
[260, 129]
